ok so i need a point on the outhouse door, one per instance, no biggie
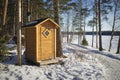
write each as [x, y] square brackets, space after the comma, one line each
[47, 43]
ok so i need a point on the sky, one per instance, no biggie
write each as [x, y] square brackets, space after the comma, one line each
[106, 25]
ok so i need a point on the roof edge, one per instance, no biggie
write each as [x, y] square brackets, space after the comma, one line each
[51, 21]
[39, 21]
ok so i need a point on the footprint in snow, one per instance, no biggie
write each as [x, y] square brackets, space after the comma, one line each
[98, 75]
[11, 73]
[77, 78]
[28, 73]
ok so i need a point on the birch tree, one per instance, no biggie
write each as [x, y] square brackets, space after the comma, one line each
[114, 22]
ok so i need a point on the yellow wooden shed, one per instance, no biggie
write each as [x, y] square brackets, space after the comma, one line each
[40, 37]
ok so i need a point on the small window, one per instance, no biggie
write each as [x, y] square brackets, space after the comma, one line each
[46, 33]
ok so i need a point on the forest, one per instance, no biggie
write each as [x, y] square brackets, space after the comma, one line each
[85, 13]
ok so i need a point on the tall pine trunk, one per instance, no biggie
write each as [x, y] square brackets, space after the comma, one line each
[28, 10]
[58, 36]
[68, 27]
[1, 16]
[113, 26]
[96, 7]
[93, 35]
[84, 25]
[4, 17]
[99, 24]
[19, 34]
[118, 48]
[80, 31]
[71, 36]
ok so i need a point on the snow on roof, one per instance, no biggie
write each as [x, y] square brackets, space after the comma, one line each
[33, 23]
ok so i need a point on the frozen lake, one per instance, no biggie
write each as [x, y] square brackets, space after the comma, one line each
[105, 42]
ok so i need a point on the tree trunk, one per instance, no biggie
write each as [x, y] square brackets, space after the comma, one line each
[118, 48]
[84, 26]
[99, 22]
[68, 27]
[71, 36]
[113, 26]
[19, 34]
[80, 35]
[56, 18]
[14, 29]
[96, 23]
[22, 12]
[85, 14]
[1, 16]
[28, 10]
[16, 18]
[92, 35]
[4, 17]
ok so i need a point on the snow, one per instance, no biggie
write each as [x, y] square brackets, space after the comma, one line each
[82, 63]
[110, 61]
[77, 66]
[33, 22]
[105, 42]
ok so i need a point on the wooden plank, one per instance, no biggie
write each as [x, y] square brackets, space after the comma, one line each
[30, 43]
[55, 43]
[37, 43]
[47, 62]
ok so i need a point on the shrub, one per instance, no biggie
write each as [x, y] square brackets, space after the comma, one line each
[84, 41]
[3, 49]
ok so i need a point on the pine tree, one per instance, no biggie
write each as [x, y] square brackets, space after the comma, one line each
[77, 21]
[56, 18]
[96, 20]
[19, 50]
[99, 25]
[4, 17]
[3, 37]
[92, 24]
[114, 22]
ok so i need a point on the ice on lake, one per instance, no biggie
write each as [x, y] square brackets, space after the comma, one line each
[105, 42]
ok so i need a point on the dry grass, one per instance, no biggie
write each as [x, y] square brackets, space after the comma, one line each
[79, 55]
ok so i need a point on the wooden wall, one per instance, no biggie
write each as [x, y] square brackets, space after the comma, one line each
[30, 37]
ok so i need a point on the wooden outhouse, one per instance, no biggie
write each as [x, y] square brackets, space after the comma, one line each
[40, 37]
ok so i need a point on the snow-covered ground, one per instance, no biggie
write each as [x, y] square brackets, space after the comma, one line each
[82, 63]
[77, 66]
[110, 61]
[105, 42]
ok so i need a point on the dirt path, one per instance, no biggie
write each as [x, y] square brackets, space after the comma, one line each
[111, 63]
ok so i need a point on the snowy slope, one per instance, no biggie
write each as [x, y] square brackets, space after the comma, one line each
[77, 66]
[110, 61]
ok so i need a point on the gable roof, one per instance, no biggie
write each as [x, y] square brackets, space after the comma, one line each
[39, 21]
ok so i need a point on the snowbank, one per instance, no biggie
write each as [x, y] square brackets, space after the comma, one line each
[77, 66]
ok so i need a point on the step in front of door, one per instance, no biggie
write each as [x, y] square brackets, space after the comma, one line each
[48, 62]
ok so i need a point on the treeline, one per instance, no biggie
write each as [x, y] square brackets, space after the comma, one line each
[84, 13]
[30, 10]
[116, 33]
